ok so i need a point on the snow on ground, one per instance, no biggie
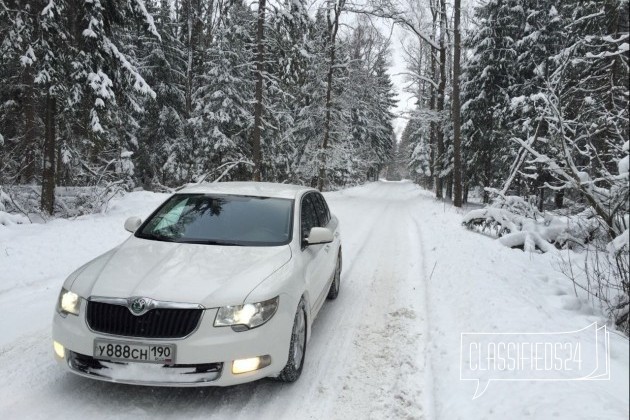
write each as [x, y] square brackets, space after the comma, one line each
[388, 347]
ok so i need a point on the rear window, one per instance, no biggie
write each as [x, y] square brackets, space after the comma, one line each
[221, 220]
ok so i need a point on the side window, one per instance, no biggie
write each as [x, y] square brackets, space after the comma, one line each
[325, 207]
[320, 207]
[308, 215]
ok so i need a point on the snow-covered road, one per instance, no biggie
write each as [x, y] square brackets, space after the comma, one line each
[388, 347]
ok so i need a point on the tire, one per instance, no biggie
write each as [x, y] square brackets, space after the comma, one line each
[297, 348]
[333, 292]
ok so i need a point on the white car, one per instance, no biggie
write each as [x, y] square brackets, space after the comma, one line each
[219, 286]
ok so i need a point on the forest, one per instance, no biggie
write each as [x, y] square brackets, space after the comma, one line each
[532, 99]
[126, 94]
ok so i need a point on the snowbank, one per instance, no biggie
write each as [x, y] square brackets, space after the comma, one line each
[54, 249]
[7, 219]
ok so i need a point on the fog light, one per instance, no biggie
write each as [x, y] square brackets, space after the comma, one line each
[59, 350]
[251, 364]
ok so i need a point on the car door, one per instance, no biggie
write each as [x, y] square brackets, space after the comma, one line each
[314, 256]
[323, 215]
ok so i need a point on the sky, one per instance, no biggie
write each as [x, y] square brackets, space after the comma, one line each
[398, 67]
[397, 62]
[396, 71]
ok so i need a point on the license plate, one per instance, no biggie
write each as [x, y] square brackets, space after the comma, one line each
[134, 352]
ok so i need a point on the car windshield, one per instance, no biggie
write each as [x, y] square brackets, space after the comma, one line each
[221, 220]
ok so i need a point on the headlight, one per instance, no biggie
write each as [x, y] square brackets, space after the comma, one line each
[68, 303]
[249, 315]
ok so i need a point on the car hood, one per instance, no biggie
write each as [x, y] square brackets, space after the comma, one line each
[210, 275]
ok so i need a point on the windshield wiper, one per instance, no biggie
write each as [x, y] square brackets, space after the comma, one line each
[210, 242]
[156, 237]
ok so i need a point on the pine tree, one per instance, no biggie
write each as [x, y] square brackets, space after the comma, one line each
[486, 77]
[163, 123]
[223, 113]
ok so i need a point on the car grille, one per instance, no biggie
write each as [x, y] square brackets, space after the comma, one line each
[157, 323]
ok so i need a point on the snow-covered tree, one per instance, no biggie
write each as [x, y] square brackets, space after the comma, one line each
[222, 115]
[117, 94]
[486, 78]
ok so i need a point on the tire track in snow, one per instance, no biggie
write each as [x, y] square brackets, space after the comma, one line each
[417, 234]
[310, 397]
[352, 332]
[386, 376]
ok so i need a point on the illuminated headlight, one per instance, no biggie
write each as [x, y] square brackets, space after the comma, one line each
[68, 303]
[249, 315]
[59, 349]
[251, 364]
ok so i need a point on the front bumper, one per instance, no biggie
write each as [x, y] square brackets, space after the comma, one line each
[204, 358]
[144, 373]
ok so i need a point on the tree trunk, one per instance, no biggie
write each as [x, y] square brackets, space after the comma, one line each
[433, 102]
[59, 178]
[487, 177]
[258, 109]
[29, 128]
[48, 173]
[449, 186]
[457, 139]
[559, 199]
[439, 158]
[189, 63]
[333, 27]
[206, 40]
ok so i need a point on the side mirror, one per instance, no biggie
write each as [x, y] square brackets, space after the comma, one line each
[319, 235]
[132, 224]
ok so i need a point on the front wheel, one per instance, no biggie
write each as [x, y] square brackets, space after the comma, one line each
[297, 348]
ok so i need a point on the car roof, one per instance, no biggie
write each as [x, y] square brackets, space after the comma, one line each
[256, 189]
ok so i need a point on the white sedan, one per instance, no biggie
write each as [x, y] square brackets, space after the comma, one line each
[219, 286]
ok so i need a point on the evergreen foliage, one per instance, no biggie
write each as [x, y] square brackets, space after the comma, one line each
[154, 94]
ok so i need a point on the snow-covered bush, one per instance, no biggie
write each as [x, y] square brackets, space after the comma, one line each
[603, 272]
[4, 198]
[21, 202]
[518, 224]
[515, 204]
[7, 219]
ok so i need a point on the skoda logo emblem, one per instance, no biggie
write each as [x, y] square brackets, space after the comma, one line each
[138, 306]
